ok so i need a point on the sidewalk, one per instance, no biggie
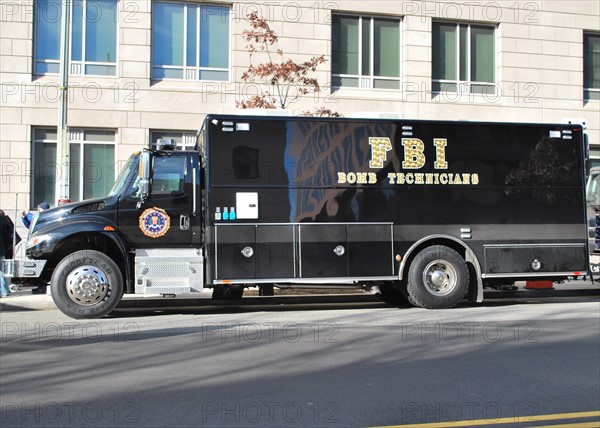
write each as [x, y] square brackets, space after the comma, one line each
[24, 300]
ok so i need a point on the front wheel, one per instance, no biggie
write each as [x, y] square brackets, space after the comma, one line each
[438, 278]
[87, 284]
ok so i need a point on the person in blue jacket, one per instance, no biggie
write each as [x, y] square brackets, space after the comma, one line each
[26, 217]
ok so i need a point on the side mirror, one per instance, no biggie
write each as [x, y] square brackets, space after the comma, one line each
[145, 164]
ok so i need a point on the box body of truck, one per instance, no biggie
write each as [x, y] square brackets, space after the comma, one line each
[344, 200]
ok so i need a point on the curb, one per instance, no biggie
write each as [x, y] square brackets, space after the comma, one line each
[132, 301]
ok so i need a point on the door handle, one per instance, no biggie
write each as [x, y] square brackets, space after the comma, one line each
[248, 252]
[184, 222]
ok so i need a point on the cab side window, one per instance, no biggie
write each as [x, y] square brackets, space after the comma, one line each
[169, 175]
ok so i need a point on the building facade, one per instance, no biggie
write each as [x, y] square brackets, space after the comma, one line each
[140, 70]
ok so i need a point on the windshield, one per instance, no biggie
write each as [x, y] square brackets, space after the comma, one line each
[127, 170]
[593, 188]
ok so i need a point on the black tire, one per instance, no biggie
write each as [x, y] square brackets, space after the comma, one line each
[438, 278]
[87, 284]
[390, 295]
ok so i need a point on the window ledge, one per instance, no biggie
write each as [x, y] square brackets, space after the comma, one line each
[76, 79]
[466, 98]
[588, 92]
[186, 84]
[364, 93]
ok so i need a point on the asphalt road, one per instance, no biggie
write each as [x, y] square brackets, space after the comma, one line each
[507, 361]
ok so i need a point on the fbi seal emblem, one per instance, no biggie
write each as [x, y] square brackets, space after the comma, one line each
[155, 222]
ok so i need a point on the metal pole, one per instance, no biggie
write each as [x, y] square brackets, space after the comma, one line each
[62, 149]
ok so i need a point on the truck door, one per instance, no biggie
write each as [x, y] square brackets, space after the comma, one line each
[165, 219]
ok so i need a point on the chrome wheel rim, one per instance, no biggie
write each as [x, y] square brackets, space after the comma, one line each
[440, 278]
[87, 285]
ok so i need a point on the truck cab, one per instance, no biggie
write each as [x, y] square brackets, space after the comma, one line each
[151, 221]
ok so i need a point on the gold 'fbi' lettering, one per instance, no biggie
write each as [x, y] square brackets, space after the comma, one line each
[413, 153]
[379, 148]
[440, 153]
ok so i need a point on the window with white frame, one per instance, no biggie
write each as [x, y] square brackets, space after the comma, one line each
[184, 140]
[92, 164]
[591, 66]
[365, 52]
[93, 37]
[190, 41]
[463, 58]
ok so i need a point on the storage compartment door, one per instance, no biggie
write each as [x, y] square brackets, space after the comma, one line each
[370, 250]
[323, 251]
[276, 252]
[236, 252]
[548, 258]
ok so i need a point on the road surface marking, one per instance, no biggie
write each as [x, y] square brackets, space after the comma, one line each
[514, 420]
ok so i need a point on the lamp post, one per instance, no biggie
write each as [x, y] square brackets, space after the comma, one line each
[62, 149]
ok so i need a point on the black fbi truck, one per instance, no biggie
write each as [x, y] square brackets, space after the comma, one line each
[425, 211]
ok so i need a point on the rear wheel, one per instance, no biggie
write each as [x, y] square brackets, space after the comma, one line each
[438, 278]
[87, 284]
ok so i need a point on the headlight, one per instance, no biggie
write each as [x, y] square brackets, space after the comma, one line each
[36, 240]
